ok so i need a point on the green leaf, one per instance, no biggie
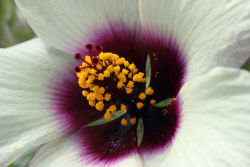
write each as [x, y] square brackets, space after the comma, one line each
[148, 71]
[164, 103]
[140, 131]
[102, 120]
[246, 66]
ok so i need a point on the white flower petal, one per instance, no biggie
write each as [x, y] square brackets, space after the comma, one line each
[214, 130]
[65, 153]
[25, 118]
[211, 33]
[70, 25]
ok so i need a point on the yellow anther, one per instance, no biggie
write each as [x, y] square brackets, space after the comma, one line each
[123, 107]
[142, 96]
[122, 77]
[120, 61]
[129, 90]
[114, 57]
[133, 121]
[126, 63]
[130, 84]
[139, 77]
[107, 73]
[101, 55]
[99, 67]
[92, 103]
[131, 66]
[91, 96]
[100, 77]
[82, 84]
[107, 97]
[141, 74]
[135, 70]
[152, 101]
[110, 68]
[99, 96]
[93, 71]
[107, 115]
[139, 105]
[130, 75]
[124, 122]
[95, 88]
[119, 85]
[99, 106]
[149, 91]
[125, 72]
[117, 69]
[84, 74]
[101, 90]
[88, 59]
[85, 93]
[112, 108]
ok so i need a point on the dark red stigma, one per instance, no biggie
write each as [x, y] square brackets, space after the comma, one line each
[77, 69]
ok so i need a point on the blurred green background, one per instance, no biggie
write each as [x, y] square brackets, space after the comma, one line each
[13, 30]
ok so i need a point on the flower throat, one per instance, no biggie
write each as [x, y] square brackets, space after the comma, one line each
[110, 84]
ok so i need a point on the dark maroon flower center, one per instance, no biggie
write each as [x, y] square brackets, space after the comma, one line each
[112, 140]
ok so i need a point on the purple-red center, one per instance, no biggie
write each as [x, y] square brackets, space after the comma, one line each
[114, 140]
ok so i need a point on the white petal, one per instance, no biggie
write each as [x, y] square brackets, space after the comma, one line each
[25, 116]
[71, 25]
[65, 153]
[214, 130]
[211, 33]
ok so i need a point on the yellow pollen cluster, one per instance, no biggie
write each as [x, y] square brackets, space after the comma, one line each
[107, 74]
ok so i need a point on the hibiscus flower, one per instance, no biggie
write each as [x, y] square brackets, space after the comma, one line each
[195, 50]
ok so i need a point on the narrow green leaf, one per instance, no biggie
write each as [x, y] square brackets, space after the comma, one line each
[140, 131]
[164, 103]
[102, 120]
[148, 71]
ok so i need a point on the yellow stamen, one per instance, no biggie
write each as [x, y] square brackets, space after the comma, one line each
[139, 105]
[131, 66]
[152, 101]
[92, 103]
[130, 75]
[119, 85]
[126, 63]
[101, 90]
[107, 97]
[107, 115]
[129, 90]
[99, 106]
[124, 122]
[122, 77]
[133, 121]
[120, 61]
[106, 73]
[99, 66]
[125, 72]
[123, 107]
[149, 91]
[112, 108]
[130, 84]
[117, 69]
[85, 93]
[100, 77]
[142, 96]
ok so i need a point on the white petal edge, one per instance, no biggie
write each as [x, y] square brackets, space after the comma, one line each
[211, 33]
[68, 25]
[25, 118]
[65, 153]
[214, 129]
